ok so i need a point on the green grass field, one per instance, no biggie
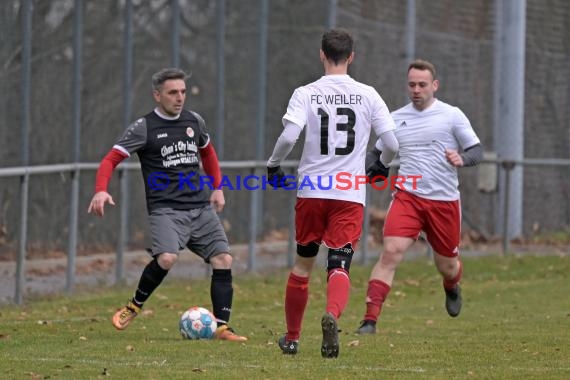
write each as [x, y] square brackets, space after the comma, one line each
[515, 324]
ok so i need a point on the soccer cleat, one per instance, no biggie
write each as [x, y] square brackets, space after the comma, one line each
[224, 332]
[453, 300]
[125, 315]
[289, 347]
[329, 348]
[366, 327]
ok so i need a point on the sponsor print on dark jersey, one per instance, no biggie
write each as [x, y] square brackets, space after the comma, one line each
[169, 147]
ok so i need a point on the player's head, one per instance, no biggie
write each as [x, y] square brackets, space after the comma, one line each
[169, 90]
[422, 83]
[337, 46]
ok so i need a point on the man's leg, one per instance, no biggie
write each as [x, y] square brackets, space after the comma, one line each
[381, 279]
[342, 233]
[297, 289]
[208, 240]
[338, 290]
[338, 280]
[221, 287]
[451, 269]
[151, 277]
[221, 293]
[310, 222]
[443, 232]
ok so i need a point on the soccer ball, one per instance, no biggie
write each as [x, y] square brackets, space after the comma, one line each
[197, 323]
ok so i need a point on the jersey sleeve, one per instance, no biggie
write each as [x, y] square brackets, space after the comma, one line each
[296, 109]
[380, 117]
[463, 131]
[203, 136]
[133, 139]
[211, 164]
[389, 145]
[106, 168]
[285, 143]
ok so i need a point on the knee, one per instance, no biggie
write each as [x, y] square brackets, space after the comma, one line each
[222, 261]
[167, 260]
[340, 258]
[391, 256]
[303, 266]
[447, 267]
[305, 259]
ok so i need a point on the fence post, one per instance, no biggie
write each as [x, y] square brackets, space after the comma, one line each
[73, 231]
[507, 166]
[26, 57]
[291, 246]
[23, 239]
[365, 229]
[253, 214]
[123, 225]
[124, 173]
[220, 77]
[175, 33]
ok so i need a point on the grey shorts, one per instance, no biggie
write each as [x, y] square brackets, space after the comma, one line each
[198, 229]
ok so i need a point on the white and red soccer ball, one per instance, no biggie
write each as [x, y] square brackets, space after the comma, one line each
[197, 323]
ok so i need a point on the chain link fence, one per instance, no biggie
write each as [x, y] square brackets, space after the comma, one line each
[74, 72]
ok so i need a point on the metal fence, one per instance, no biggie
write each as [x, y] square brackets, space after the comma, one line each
[24, 173]
[502, 169]
[71, 69]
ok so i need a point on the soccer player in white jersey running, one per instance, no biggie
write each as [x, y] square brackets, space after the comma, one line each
[337, 114]
[435, 139]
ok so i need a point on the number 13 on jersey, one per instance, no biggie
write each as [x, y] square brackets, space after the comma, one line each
[347, 127]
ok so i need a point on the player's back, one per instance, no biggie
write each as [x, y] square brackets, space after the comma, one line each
[338, 114]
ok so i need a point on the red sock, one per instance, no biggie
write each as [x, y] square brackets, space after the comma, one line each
[338, 290]
[375, 296]
[449, 284]
[296, 297]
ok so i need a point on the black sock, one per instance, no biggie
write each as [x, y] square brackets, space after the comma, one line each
[151, 277]
[221, 292]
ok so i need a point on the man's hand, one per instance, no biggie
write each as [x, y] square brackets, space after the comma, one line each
[375, 170]
[97, 205]
[217, 200]
[453, 157]
[276, 177]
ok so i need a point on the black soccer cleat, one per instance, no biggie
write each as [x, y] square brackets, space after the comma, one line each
[329, 348]
[289, 347]
[366, 327]
[453, 301]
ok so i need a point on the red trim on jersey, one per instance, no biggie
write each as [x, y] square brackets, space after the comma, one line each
[333, 222]
[211, 164]
[106, 167]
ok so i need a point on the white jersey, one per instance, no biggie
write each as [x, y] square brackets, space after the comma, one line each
[423, 137]
[338, 113]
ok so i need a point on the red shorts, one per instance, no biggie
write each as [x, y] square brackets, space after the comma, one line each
[330, 221]
[409, 214]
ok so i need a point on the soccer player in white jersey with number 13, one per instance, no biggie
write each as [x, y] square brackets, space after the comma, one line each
[337, 114]
[435, 139]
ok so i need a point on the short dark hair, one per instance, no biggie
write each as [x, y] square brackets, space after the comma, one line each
[422, 64]
[163, 75]
[337, 44]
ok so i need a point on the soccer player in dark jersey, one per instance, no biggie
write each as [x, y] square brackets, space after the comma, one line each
[169, 141]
